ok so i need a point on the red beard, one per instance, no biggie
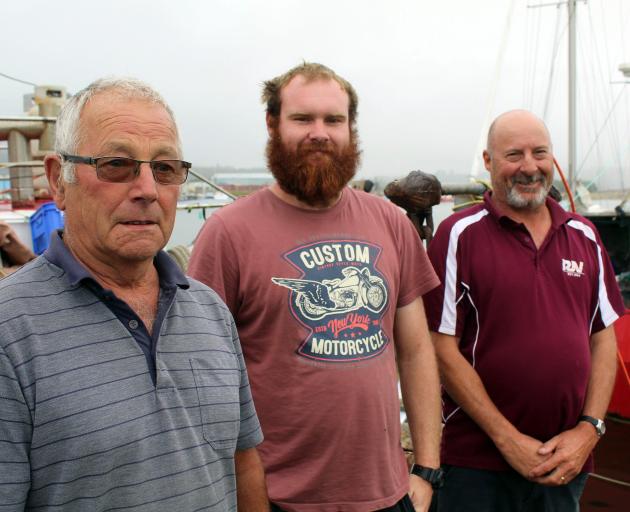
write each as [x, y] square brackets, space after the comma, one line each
[316, 172]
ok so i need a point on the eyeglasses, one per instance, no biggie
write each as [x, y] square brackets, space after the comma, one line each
[119, 169]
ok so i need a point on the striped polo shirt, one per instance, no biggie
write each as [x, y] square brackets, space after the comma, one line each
[84, 426]
[524, 316]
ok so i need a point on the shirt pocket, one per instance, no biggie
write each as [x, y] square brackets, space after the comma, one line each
[217, 383]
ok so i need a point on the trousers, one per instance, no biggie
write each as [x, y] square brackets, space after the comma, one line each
[404, 505]
[478, 490]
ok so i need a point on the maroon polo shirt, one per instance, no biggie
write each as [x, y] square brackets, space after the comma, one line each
[524, 317]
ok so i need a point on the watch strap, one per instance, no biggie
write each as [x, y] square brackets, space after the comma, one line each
[596, 422]
[435, 476]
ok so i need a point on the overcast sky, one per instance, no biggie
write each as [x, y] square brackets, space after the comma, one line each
[424, 70]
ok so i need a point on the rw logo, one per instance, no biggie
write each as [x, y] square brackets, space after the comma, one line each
[573, 268]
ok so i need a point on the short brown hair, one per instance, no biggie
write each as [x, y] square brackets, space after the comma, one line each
[311, 71]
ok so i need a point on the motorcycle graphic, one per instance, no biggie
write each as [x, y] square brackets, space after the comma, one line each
[358, 288]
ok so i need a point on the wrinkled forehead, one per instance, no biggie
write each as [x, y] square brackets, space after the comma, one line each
[109, 118]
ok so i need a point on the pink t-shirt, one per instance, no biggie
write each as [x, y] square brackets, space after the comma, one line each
[314, 295]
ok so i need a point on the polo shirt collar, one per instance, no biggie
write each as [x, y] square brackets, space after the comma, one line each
[58, 254]
[559, 215]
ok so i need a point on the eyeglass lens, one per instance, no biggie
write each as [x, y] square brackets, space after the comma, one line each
[118, 170]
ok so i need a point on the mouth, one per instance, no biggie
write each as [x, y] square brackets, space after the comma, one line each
[138, 223]
[526, 181]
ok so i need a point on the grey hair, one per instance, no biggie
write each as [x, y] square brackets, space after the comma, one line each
[68, 134]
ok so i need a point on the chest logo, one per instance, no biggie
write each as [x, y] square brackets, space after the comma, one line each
[341, 297]
[573, 268]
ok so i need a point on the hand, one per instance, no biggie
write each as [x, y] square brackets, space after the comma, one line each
[522, 452]
[568, 452]
[420, 492]
[17, 252]
[6, 233]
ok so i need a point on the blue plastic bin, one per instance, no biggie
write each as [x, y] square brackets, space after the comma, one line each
[43, 222]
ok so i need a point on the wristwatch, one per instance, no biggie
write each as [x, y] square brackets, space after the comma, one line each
[434, 476]
[600, 426]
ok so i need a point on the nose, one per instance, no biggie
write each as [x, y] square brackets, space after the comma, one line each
[144, 187]
[318, 131]
[529, 163]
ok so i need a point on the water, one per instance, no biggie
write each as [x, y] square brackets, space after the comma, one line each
[188, 223]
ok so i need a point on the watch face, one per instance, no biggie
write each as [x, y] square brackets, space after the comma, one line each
[601, 427]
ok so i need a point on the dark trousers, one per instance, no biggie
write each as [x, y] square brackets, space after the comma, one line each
[404, 505]
[475, 490]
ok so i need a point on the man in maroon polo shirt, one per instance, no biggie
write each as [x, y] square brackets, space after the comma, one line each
[522, 326]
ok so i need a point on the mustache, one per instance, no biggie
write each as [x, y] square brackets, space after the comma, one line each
[527, 179]
[321, 146]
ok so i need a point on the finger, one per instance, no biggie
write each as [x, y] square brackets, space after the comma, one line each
[549, 446]
[546, 467]
[555, 479]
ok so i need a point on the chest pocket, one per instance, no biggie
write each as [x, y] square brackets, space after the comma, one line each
[217, 382]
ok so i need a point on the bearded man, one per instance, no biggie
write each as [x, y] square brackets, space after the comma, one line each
[522, 327]
[324, 283]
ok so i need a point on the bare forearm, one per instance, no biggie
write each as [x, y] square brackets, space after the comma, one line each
[603, 372]
[251, 490]
[419, 382]
[420, 387]
[464, 385]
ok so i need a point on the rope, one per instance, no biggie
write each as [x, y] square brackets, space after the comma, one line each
[606, 94]
[610, 113]
[566, 185]
[552, 63]
[18, 80]
[622, 363]
[570, 195]
[610, 480]
[494, 84]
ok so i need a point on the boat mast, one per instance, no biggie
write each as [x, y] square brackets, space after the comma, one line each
[572, 95]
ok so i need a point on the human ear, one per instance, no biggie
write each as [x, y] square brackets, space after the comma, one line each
[52, 165]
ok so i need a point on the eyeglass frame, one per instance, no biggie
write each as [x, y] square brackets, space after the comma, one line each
[93, 161]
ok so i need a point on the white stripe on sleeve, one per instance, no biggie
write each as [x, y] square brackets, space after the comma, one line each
[607, 311]
[449, 312]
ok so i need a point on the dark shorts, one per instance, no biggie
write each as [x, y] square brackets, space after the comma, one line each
[476, 490]
[404, 505]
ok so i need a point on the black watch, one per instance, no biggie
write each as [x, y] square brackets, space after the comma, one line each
[600, 426]
[434, 476]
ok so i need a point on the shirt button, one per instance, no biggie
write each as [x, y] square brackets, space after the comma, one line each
[133, 324]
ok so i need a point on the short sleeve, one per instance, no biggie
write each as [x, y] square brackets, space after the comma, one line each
[213, 261]
[444, 312]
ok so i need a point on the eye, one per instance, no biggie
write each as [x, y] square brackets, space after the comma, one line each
[163, 166]
[117, 163]
[513, 156]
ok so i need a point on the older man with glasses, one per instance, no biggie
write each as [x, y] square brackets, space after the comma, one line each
[122, 383]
